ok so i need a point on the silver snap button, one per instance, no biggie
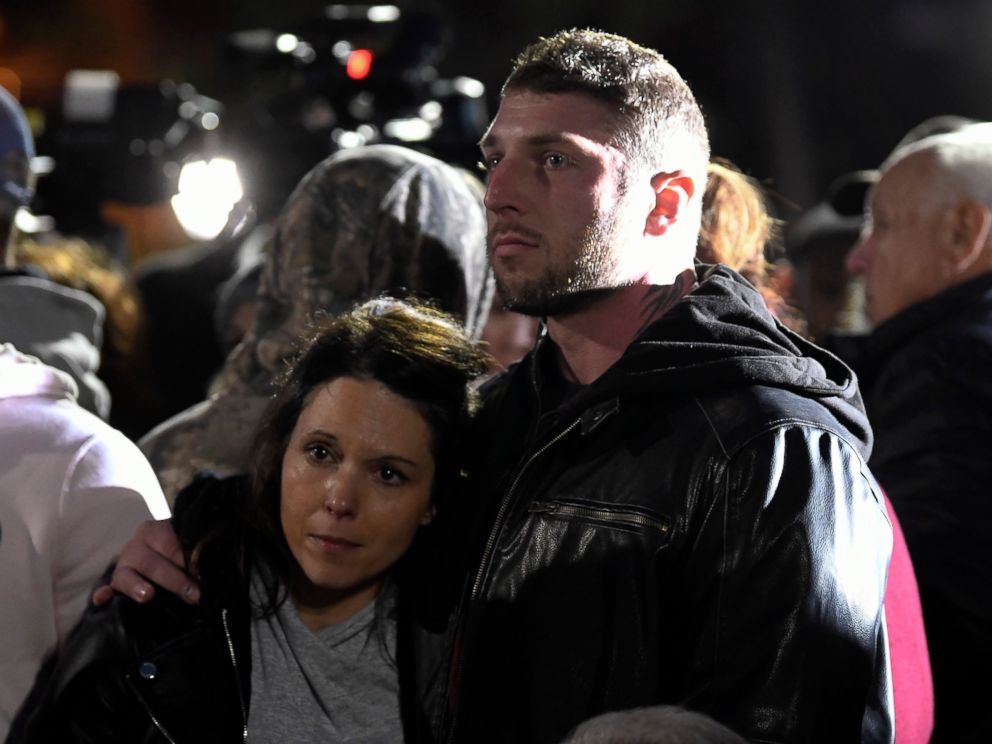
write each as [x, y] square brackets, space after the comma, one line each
[147, 670]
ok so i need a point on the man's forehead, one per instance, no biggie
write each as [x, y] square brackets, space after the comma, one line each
[551, 116]
[902, 178]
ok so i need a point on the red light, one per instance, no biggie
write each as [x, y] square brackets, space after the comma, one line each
[359, 64]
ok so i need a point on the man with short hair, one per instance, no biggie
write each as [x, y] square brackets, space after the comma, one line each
[926, 257]
[667, 499]
[673, 501]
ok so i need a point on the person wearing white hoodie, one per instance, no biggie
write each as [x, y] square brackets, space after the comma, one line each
[72, 490]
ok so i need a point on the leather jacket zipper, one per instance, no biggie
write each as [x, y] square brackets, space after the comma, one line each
[158, 725]
[491, 544]
[237, 677]
[615, 516]
[504, 507]
[148, 709]
[237, 681]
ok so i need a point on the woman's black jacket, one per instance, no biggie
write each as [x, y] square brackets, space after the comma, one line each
[164, 671]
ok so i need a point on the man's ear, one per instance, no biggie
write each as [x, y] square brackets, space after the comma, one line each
[671, 193]
[967, 234]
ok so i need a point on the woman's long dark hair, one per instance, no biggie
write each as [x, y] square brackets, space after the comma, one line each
[415, 350]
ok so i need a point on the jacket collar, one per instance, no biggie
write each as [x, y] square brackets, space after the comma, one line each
[938, 310]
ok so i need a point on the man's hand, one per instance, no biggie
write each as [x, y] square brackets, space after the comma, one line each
[153, 554]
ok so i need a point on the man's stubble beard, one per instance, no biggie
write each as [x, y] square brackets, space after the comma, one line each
[566, 287]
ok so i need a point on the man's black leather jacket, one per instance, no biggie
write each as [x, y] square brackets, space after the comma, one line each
[696, 527]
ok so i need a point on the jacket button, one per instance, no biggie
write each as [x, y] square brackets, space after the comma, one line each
[147, 670]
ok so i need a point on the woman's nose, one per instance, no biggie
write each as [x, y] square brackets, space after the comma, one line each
[342, 495]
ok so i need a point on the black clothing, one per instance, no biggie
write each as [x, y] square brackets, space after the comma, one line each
[927, 377]
[166, 671]
[157, 672]
[179, 297]
[695, 527]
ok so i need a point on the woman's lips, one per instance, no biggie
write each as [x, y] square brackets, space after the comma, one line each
[332, 544]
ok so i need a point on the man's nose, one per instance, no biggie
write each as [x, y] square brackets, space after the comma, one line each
[503, 187]
[342, 494]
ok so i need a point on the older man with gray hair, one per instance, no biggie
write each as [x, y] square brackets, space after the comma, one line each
[926, 256]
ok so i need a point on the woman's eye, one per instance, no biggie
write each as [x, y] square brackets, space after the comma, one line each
[391, 476]
[318, 452]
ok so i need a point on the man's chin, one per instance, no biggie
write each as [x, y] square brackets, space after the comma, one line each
[540, 303]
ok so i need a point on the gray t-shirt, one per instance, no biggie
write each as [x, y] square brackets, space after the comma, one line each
[333, 685]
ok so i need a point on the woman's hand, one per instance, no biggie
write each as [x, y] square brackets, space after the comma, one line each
[152, 555]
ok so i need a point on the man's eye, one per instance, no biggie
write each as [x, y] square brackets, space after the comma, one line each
[555, 160]
[487, 164]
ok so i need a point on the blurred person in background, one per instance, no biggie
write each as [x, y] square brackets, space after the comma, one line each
[71, 491]
[16, 182]
[926, 258]
[61, 326]
[180, 292]
[736, 231]
[817, 244]
[364, 221]
[662, 724]
[508, 336]
[124, 368]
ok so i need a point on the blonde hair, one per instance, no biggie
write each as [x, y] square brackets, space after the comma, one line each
[735, 231]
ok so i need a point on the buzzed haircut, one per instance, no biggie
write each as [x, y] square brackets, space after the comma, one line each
[660, 124]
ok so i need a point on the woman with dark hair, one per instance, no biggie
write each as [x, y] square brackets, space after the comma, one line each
[304, 565]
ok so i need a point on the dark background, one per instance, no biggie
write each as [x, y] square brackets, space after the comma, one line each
[796, 92]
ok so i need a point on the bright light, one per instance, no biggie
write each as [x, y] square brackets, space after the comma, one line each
[210, 121]
[90, 95]
[383, 13]
[431, 111]
[408, 130]
[31, 223]
[42, 165]
[286, 43]
[359, 64]
[469, 87]
[347, 139]
[207, 192]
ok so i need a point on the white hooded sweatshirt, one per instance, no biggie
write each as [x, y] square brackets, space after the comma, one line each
[72, 492]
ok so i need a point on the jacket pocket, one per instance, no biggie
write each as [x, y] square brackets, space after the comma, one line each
[626, 518]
